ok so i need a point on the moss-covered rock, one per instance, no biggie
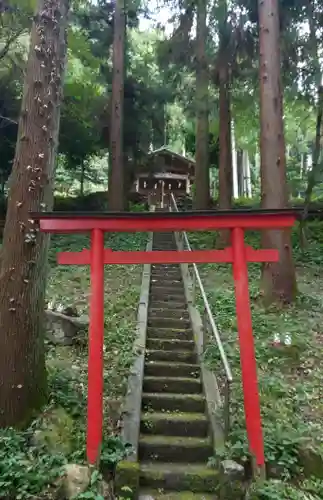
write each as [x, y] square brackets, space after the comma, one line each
[311, 459]
[231, 480]
[127, 479]
[56, 432]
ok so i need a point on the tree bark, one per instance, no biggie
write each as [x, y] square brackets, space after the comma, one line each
[246, 174]
[225, 146]
[202, 181]
[116, 177]
[82, 176]
[314, 50]
[23, 387]
[279, 282]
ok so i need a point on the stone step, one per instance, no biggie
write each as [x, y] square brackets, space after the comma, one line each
[165, 267]
[179, 477]
[164, 246]
[165, 289]
[169, 344]
[180, 385]
[167, 275]
[163, 322]
[164, 304]
[191, 403]
[168, 296]
[179, 356]
[166, 278]
[167, 240]
[165, 282]
[175, 424]
[175, 275]
[169, 333]
[171, 369]
[174, 448]
[173, 495]
[167, 271]
[160, 312]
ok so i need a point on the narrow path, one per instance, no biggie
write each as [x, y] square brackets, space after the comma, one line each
[175, 443]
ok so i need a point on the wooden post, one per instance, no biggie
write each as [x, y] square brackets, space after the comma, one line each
[95, 362]
[247, 350]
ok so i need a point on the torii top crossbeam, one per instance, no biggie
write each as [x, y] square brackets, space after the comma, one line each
[166, 221]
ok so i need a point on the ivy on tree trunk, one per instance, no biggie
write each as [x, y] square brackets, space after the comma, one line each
[279, 281]
[23, 387]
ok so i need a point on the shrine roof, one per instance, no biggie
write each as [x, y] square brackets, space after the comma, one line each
[166, 150]
[162, 175]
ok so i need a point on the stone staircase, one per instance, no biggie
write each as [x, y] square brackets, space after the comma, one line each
[175, 442]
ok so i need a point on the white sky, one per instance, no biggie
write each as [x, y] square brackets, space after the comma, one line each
[159, 15]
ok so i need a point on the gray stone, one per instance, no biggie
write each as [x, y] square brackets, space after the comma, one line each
[231, 480]
[61, 329]
[233, 469]
[76, 480]
[311, 459]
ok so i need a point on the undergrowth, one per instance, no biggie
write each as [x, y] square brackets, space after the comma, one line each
[32, 461]
[289, 376]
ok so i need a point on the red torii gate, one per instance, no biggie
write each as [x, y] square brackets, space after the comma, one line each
[237, 221]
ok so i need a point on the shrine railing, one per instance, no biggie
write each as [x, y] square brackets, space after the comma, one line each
[210, 330]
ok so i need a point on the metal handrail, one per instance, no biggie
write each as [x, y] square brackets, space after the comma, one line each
[213, 326]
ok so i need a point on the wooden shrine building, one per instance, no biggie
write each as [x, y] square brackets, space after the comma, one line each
[165, 171]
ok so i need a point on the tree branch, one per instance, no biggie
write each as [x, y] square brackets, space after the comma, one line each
[4, 51]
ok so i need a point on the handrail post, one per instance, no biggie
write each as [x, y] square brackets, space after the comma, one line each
[227, 390]
[194, 288]
[205, 332]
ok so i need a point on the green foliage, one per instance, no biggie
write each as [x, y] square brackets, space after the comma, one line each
[31, 467]
[25, 471]
[278, 490]
[65, 393]
[113, 452]
[289, 376]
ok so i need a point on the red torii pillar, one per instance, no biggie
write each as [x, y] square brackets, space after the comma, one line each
[238, 255]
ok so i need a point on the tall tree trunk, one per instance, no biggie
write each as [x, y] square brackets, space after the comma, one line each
[279, 280]
[24, 256]
[235, 183]
[225, 146]
[246, 174]
[316, 164]
[202, 181]
[240, 173]
[116, 177]
[82, 178]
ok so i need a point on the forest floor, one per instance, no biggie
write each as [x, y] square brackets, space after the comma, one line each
[290, 377]
[31, 461]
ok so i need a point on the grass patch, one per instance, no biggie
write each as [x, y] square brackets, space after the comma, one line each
[289, 377]
[31, 461]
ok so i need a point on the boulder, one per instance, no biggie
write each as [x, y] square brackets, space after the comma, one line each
[231, 480]
[61, 329]
[56, 432]
[311, 459]
[76, 480]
